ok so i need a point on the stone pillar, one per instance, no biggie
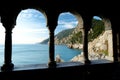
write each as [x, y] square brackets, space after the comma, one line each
[52, 62]
[8, 20]
[51, 24]
[85, 46]
[8, 65]
[114, 24]
[115, 52]
[87, 20]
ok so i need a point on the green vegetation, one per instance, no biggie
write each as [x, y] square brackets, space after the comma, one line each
[45, 41]
[105, 52]
[60, 35]
[71, 37]
[97, 28]
[64, 33]
[76, 38]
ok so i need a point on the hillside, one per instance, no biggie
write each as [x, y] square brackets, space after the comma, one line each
[74, 35]
[99, 48]
[64, 33]
[60, 35]
[45, 41]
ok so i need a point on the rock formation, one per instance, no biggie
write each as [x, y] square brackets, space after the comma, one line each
[99, 48]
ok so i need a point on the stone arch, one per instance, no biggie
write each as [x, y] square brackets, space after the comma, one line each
[36, 32]
[79, 18]
[8, 20]
[37, 9]
[109, 41]
[80, 22]
[64, 19]
[101, 47]
[51, 9]
[30, 16]
[67, 22]
[85, 28]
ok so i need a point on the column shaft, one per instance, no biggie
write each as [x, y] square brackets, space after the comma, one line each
[8, 51]
[52, 62]
[115, 48]
[85, 46]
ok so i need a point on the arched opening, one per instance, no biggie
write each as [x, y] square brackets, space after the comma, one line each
[100, 39]
[29, 31]
[67, 37]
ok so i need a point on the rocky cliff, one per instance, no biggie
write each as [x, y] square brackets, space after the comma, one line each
[99, 48]
[99, 40]
[75, 35]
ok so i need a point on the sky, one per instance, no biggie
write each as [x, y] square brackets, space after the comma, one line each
[31, 27]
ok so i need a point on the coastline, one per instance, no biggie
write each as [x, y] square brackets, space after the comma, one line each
[99, 48]
[75, 46]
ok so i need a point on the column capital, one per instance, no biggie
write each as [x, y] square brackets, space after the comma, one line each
[8, 22]
[87, 22]
[8, 26]
[52, 20]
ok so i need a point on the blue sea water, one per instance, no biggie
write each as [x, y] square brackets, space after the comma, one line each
[24, 54]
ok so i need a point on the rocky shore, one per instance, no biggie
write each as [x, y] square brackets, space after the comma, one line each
[99, 48]
[75, 46]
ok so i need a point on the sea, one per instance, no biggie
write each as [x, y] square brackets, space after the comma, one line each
[30, 54]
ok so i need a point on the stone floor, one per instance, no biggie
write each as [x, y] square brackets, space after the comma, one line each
[89, 72]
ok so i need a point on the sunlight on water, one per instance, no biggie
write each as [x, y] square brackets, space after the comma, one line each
[37, 53]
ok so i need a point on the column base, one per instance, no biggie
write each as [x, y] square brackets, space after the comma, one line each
[7, 67]
[87, 61]
[52, 64]
[115, 60]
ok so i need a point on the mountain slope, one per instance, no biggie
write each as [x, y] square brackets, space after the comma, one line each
[60, 35]
[75, 35]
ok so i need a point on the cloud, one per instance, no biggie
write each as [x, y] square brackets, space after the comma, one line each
[27, 36]
[67, 20]
[25, 40]
[26, 30]
[60, 22]
[66, 13]
[31, 15]
[96, 17]
[68, 17]
[31, 26]
[64, 24]
[68, 26]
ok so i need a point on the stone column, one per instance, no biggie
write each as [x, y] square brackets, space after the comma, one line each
[8, 65]
[52, 62]
[85, 46]
[87, 21]
[115, 38]
[115, 47]
[52, 18]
